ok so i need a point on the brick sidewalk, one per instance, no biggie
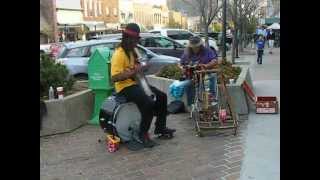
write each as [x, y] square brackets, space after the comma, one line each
[78, 155]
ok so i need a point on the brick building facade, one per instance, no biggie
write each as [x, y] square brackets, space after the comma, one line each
[103, 14]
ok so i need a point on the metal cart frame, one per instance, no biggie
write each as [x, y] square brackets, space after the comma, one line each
[231, 121]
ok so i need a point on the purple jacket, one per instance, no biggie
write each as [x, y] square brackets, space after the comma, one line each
[204, 57]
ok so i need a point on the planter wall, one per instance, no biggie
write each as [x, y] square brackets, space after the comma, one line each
[238, 95]
[163, 85]
[67, 114]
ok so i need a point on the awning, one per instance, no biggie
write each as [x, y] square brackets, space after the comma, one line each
[76, 25]
[95, 25]
[113, 25]
[270, 21]
[274, 26]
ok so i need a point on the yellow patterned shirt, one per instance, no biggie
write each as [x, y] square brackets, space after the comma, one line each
[119, 63]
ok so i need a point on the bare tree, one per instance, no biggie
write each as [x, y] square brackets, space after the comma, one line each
[208, 10]
[241, 11]
[276, 7]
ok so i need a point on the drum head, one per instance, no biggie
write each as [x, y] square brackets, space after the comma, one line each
[128, 119]
[106, 113]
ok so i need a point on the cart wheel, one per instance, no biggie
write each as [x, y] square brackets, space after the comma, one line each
[235, 131]
[200, 134]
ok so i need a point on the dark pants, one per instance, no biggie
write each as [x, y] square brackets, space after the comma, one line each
[147, 108]
[260, 53]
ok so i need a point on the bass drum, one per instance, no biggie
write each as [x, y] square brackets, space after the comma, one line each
[106, 114]
[119, 118]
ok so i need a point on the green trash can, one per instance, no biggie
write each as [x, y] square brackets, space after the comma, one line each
[99, 71]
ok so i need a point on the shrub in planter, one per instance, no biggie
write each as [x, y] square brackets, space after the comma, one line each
[229, 71]
[53, 74]
[174, 72]
[171, 71]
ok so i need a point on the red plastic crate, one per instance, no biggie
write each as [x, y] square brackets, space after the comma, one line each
[267, 105]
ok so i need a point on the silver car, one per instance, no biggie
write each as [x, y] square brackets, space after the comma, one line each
[76, 55]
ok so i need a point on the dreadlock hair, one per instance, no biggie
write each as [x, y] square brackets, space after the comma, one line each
[127, 45]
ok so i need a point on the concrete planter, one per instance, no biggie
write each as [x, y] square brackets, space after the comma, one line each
[67, 114]
[238, 95]
[163, 85]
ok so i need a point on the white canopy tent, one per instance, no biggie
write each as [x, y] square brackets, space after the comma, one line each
[274, 26]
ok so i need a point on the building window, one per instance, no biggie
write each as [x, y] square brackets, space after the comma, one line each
[115, 11]
[100, 8]
[89, 7]
[90, 4]
[85, 8]
[96, 10]
[107, 11]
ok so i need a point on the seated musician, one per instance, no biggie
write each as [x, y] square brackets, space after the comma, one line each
[197, 54]
[124, 67]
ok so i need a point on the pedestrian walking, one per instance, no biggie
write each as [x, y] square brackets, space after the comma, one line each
[260, 47]
[271, 38]
[253, 39]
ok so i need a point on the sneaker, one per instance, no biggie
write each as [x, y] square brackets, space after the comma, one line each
[164, 131]
[134, 145]
[147, 142]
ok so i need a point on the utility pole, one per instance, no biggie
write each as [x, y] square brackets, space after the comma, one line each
[224, 30]
[55, 23]
[235, 34]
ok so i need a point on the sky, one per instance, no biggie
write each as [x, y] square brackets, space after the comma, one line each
[153, 2]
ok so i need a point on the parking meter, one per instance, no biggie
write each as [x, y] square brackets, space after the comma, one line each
[99, 72]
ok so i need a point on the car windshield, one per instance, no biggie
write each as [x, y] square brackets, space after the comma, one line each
[179, 35]
[156, 42]
[163, 42]
[108, 45]
[155, 32]
[77, 52]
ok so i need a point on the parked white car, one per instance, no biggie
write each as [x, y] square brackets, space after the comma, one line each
[182, 36]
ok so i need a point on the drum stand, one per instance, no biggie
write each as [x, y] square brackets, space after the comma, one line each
[205, 116]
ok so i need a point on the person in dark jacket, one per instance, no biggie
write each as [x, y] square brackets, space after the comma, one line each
[271, 38]
[260, 47]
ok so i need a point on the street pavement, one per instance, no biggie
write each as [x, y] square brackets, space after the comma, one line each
[262, 146]
[78, 155]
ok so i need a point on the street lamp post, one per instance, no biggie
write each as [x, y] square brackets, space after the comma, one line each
[224, 30]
